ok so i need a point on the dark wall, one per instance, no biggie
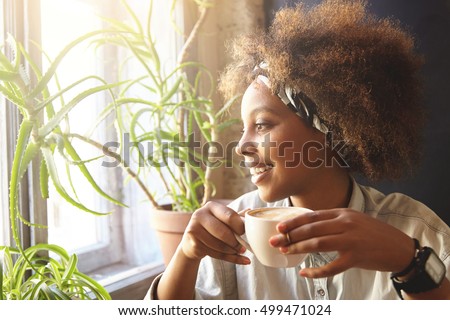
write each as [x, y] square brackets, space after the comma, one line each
[429, 22]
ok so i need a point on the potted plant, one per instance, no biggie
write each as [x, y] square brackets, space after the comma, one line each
[169, 112]
[51, 278]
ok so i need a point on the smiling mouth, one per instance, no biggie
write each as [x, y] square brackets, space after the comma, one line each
[260, 170]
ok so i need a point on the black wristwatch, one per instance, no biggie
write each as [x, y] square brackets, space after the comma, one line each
[429, 272]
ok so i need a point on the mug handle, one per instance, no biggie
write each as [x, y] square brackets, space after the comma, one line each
[239, 238]
[243, 242]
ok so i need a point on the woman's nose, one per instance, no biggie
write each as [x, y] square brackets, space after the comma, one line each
[246, 146]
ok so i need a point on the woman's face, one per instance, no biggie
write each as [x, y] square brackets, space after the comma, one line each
[284, 154]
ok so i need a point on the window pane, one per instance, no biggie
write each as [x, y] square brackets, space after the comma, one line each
[61, 22]
[125, 237]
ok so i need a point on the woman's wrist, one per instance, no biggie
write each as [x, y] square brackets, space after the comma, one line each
[178, 280]
[409, 270]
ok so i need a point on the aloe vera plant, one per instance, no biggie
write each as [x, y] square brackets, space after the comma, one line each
[24, 84]
[39, 133]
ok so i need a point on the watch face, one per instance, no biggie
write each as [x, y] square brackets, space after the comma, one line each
[435, 268]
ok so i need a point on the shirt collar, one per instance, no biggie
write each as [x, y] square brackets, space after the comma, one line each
[357, 202]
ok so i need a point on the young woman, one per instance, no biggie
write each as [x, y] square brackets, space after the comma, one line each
[330, 91]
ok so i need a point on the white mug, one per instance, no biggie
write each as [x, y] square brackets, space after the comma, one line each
[260, 226]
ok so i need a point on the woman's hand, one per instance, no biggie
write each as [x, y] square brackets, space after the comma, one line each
[360, 240]
[211, 232]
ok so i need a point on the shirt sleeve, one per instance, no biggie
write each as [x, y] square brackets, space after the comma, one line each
[151, 293]
[216, 280]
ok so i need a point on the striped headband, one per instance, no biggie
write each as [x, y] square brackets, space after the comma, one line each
[298, 102]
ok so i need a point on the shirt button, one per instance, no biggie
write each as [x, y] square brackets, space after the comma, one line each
[321, 292]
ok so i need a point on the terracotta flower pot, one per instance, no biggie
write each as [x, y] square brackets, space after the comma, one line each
[169, 226]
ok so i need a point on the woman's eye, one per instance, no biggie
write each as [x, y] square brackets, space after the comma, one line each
[261, 126]
[258, 127]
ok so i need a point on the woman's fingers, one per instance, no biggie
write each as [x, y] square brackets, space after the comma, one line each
[337, 266]
[307, 218]
[211, 231]
[311, 225]
[198, 249]
[326, 243]
[210, 241]
[304, 232]
[227, 215]
[221, 222]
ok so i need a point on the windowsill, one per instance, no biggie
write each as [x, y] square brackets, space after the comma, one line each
[125, 282]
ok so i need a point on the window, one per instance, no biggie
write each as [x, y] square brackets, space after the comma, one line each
[120, 246]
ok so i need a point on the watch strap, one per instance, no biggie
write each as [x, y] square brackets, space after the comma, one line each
[420, 281]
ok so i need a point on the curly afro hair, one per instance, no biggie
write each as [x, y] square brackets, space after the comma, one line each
[361, 72]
